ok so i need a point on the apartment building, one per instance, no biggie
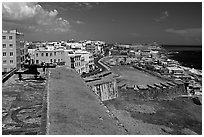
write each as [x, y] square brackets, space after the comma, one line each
[13, 50]
[80, 60]
[48, 55]
[74, 61]
[91, 48]
[87, 59]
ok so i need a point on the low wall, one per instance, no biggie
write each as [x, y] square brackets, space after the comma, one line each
[103, 64]
[6, 76]
[152, 93]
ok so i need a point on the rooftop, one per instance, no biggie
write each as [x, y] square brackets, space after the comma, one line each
[12, 31]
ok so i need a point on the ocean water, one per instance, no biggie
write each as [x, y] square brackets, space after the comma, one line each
[189, 56]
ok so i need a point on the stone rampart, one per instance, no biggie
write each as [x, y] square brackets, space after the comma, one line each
[159, 91]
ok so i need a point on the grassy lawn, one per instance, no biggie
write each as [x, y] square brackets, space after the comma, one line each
[177, 114]
[135, 76]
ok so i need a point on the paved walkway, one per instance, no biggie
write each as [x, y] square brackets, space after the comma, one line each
[74, 109]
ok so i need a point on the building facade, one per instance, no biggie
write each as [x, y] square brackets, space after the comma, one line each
[13, 50]
[80, 60]
[48, 56]
[87, 60]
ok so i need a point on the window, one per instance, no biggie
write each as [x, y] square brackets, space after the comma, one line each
[46, 54]
[11, 53]
[11, 61]
[58, 60]
[3, 37]
[37, 61]
[4, 53]
[22, 52]
[10, 37]
[4, 45]
[11, 45]
[42, 54]
[54, 60]
[55, 53]
[5, 69]
[36, 54]
[51, 60]
[50, 54]
[4, 61]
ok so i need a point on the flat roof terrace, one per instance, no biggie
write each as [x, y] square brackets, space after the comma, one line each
[74, 109]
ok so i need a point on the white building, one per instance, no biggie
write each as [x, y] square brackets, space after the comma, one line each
[13, 50]
[87, 59]
[175, 70]
[81, 61]
[48, 55]
[76, 45]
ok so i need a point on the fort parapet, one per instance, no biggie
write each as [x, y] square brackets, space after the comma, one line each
[74, 109]
[163, 90]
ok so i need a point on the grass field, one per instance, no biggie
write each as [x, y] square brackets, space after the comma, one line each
[135, 76]
[179, 116]
[22, 104]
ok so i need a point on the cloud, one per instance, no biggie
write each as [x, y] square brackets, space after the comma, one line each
[34, 17]
[164, 15]
[85, 5]
[188, 34]
[79, 22]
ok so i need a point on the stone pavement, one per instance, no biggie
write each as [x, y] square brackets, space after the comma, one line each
[74, 109]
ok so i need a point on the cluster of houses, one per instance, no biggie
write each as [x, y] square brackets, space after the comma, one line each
[77, 55]
[151, 58]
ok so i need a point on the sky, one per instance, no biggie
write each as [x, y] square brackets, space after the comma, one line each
[174, 23]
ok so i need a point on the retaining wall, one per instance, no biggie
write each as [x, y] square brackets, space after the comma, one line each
[152, 93]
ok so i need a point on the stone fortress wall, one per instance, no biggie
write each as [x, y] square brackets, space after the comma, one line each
[166, 90]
